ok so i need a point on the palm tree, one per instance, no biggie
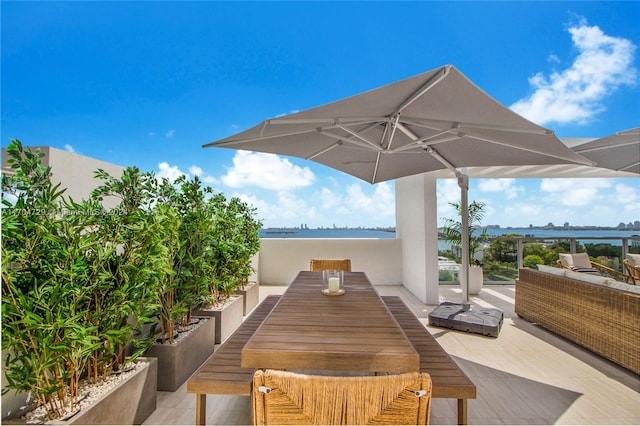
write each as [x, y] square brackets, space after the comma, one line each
[478, 235]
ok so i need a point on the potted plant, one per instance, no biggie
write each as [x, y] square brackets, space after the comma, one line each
[478, 235]
[181, 208]
[66, 311]
[247, 239]
[233, 240]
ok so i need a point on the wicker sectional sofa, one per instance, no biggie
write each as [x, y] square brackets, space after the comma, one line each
[600, 315]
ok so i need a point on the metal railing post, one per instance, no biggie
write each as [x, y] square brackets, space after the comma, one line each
[520, 246]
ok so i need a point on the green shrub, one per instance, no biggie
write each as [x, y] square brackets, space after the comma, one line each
[532, 260]
[80, 282]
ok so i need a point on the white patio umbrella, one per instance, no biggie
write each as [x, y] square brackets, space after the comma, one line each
[435, 120]
[619, 151]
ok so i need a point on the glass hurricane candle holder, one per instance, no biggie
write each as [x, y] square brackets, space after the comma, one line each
[333, 282]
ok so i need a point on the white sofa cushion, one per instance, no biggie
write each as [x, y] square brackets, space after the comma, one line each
[551, 270]
[593, 279]
[623, 286]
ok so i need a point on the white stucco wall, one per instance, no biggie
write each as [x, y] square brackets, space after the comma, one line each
[280, 259]
[74, 172]
[417, 229]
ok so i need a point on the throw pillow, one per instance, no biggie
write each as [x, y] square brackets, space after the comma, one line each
[585, 270]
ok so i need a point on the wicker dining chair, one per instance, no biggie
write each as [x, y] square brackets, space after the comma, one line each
[324, 264]
[284, 397]
[632, 266]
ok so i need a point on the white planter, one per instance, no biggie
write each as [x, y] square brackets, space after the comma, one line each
[475, 279]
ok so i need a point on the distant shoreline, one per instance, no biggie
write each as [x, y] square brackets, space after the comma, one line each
[595, 233]
[569, 228]
[273, 230]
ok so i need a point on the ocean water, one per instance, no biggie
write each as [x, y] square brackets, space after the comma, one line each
[376, 233]
[591, 236]
[325, 233]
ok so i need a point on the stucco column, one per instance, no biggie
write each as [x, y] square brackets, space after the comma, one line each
[417, 227]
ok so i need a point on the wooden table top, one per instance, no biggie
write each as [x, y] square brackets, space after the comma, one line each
[310, 331]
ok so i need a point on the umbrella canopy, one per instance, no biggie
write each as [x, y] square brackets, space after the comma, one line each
[389, 132]
[619, 151]
[435, 120]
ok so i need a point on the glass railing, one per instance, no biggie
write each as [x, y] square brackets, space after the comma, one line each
[503, 256]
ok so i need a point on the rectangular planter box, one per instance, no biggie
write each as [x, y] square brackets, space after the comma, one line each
[250, 297]
[228, 317]
[129, 402]
[178, 361]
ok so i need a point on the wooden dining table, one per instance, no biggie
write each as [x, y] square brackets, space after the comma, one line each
[308, 330]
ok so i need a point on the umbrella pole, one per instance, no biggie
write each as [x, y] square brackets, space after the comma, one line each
[463, 183]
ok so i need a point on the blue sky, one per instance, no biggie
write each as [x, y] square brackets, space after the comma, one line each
[148, 83]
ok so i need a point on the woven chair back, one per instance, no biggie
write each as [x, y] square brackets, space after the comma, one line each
[324, 264]
[283, 397]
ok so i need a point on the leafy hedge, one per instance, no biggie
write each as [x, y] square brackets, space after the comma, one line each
[82, 283]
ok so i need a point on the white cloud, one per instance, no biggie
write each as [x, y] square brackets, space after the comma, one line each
[380, 203]
[173, 172]
[506, 186]
[553, 58]
[69, 148]
[285, 210]
[197, 171]
[576, 192]
[352, 205]
[170, 133]
[583, 201]
[329, 199]
[293, 207]
[448, 192]
[267, 171]
[626, 194]
[628, 197]
[576, 94]
[170, 172]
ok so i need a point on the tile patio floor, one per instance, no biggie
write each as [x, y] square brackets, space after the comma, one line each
[525, 376]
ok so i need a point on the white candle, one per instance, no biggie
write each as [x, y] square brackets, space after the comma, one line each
[334, 284]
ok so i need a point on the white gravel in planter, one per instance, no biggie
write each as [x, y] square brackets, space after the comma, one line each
[90, 393]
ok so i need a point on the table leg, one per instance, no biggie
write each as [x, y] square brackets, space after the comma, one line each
[462, 411]
[201, 409]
